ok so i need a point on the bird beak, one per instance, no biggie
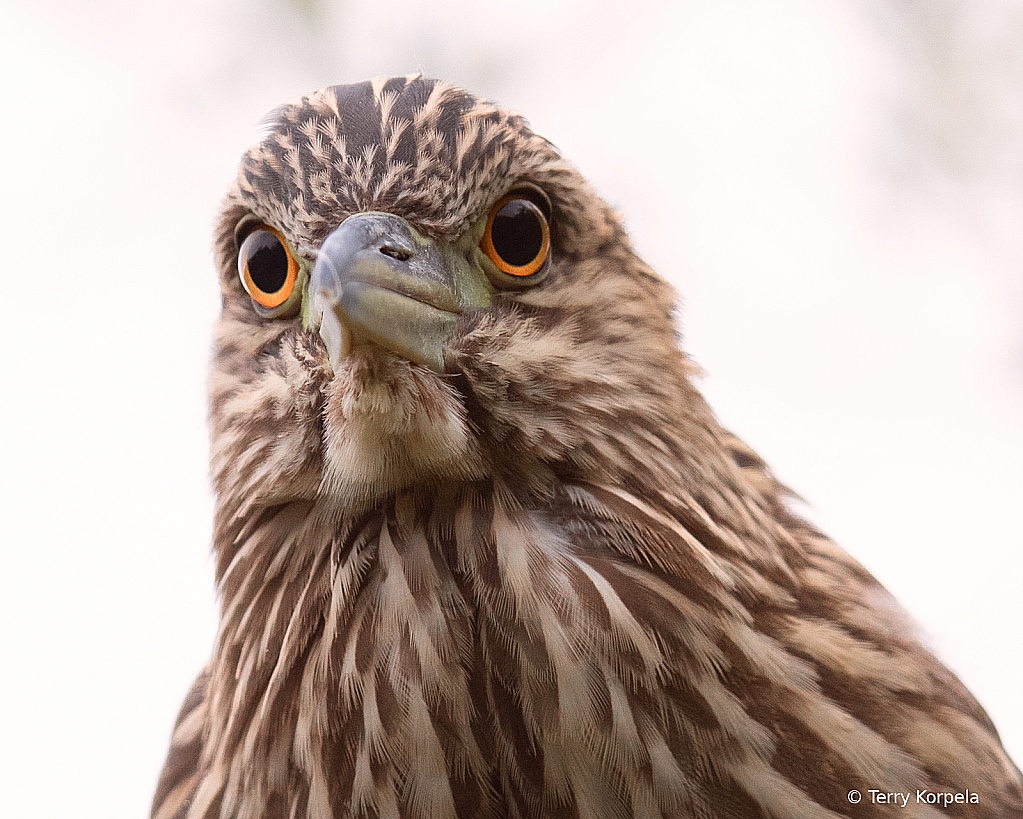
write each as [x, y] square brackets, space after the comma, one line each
[378, 280]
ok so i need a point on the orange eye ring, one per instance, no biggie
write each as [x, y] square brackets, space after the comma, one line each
[267, 268]
[517, 238]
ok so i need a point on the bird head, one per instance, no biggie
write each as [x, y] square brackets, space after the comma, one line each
[418, 289]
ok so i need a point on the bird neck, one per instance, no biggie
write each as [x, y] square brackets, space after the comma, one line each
[377, 624]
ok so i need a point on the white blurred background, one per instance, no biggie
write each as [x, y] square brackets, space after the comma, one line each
[835, 186]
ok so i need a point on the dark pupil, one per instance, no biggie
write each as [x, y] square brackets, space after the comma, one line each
[517, 233]
[268, 263]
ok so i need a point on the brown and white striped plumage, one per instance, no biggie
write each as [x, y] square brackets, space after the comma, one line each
[545, 583]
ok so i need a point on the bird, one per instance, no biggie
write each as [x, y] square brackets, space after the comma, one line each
[482, 549]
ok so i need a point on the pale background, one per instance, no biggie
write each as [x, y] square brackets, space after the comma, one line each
[836, 188]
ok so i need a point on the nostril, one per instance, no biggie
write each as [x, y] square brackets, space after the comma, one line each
[399, 253]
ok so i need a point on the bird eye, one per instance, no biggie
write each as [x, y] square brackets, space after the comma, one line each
[517, 238]
[267, 268]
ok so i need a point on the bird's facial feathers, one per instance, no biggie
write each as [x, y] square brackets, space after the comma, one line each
[407, 269]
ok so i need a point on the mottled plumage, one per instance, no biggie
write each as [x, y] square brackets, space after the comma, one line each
[543, 581]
